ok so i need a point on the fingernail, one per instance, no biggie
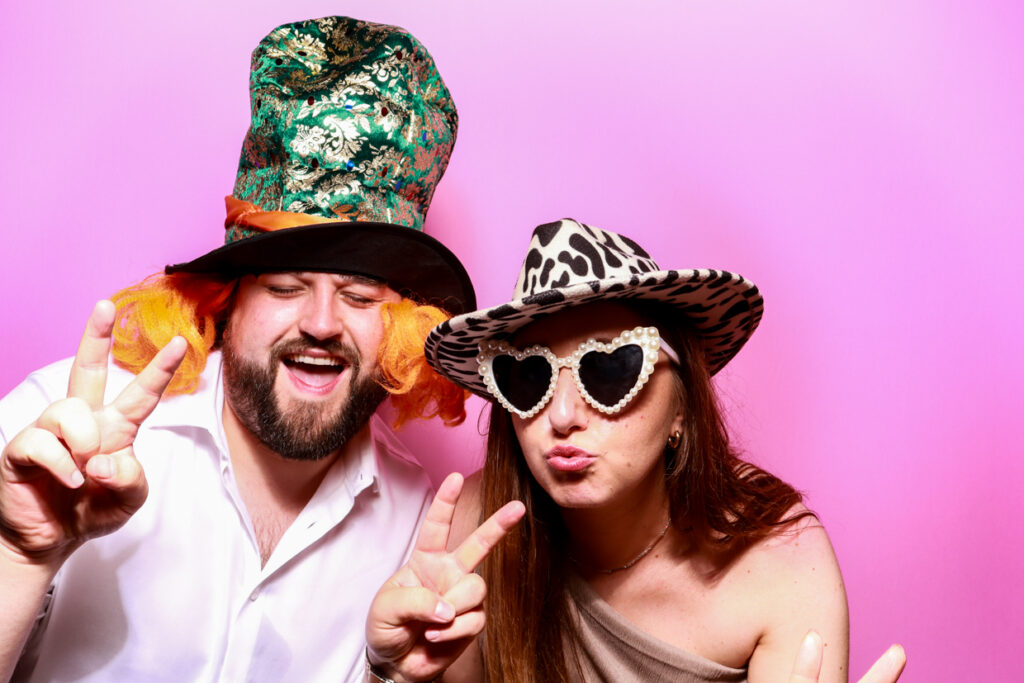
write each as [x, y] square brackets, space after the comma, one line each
[431, 634]
[102, 467]
[77, 479]
[444, 611]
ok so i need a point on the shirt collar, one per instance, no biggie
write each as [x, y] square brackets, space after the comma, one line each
[199, 409]
[355, 470]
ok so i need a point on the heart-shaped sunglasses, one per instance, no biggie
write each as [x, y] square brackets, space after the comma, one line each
[608, 375]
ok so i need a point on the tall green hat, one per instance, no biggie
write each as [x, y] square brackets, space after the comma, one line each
[352, 128]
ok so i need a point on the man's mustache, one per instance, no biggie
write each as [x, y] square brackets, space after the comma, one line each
[333, 347]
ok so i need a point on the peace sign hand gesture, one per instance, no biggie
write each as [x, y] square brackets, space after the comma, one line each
[429, 611]
[72, 474]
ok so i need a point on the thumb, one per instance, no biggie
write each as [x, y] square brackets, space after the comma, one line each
[403, 604]
[121, 474]
[396, 618]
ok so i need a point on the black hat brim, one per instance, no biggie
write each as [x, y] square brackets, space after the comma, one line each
[411, 262]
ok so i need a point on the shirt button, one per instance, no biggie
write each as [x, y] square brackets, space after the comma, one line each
[255, 594]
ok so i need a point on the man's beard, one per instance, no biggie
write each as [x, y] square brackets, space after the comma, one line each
[305, 431]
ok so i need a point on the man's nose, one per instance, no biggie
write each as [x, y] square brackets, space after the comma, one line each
[321, 315]
[567, 411]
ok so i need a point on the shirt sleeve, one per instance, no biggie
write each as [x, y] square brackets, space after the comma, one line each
[28, 400]
[18, 409]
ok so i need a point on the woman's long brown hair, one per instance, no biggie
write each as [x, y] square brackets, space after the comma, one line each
[720, 500]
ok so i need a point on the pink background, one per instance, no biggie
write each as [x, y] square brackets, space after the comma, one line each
[861, 162]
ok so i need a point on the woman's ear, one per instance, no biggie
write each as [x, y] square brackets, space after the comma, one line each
[675, 432]
[679, 420]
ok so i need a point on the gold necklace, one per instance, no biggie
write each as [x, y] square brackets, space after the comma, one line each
[643, 553]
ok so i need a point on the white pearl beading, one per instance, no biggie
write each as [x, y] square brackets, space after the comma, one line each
[647, 338]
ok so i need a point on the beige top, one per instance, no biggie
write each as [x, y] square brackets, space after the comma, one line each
[614, 650]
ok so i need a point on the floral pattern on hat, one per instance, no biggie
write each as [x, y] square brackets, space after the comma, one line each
[350, 119]
[351, 130]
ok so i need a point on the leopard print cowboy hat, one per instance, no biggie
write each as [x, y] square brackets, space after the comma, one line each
[570, 264]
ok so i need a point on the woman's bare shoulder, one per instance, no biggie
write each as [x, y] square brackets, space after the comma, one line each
[791, 579]
[793, 569]
[798, 549]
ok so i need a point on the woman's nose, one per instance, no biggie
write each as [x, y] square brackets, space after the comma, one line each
[567, 411]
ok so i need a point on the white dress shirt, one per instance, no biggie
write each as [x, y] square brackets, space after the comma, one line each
[179, 593]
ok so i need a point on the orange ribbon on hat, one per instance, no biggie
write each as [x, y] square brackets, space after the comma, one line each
[248, 214]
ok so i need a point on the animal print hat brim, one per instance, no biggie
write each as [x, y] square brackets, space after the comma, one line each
[571, 264]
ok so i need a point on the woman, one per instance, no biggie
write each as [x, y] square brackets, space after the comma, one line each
[649, 550]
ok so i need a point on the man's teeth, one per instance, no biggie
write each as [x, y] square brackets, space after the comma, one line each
[316, 360]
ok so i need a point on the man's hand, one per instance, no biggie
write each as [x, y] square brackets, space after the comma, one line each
[886, 669]
[428, 612]
[72, 474]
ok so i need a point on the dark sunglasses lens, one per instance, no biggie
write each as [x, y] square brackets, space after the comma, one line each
[523, 383]
[608, 377]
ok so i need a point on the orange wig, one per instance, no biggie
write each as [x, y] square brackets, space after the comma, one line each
[196, 306]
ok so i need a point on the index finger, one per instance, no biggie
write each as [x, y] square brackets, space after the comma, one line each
[142, 395]
[478, 544]
[888, 668]
[88, 378]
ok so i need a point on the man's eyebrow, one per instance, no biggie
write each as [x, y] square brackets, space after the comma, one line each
[358, 279]
[348, 278]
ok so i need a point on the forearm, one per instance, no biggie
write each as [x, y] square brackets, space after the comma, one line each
[23, 585]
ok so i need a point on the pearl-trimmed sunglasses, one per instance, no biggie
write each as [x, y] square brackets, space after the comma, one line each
[608, 375]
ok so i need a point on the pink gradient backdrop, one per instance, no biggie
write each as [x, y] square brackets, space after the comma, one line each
[862, 162]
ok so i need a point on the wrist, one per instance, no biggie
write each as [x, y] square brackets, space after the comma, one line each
[375, 671]
[30, 573]
[378, 672]
[42, 562]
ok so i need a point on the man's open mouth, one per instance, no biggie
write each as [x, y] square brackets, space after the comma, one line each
[314, 372]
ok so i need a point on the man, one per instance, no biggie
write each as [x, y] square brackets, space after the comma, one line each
[275, 503]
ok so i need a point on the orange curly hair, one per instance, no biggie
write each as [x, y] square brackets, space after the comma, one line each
[196, 306]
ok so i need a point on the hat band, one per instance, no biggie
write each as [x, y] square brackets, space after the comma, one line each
[245, 213]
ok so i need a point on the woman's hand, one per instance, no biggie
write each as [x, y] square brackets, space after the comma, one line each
[808, 663]
[425, 615]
